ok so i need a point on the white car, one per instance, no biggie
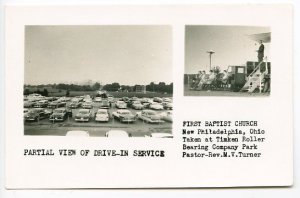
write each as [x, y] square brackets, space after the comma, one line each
[124, 115]
[78, 133]
[102, 115]
[121, 105]
[156, 106]
[150, 116]
[167, 105]
[137, 105]
[117, 134]
[87, 105]
[167, 100]
[167, 116]
[160, 135]
[98, 99]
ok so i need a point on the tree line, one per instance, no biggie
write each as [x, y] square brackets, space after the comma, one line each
[160, 87]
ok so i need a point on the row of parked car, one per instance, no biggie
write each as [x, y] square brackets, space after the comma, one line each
[87, 102]
[102, 115]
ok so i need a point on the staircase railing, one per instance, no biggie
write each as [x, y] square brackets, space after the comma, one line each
[261, 75]
[258, 66]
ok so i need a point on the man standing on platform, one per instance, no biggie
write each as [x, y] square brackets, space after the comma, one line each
[260, 52]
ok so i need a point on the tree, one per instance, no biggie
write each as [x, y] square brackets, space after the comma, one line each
[45, 92]
[26, 92]
[96, 86]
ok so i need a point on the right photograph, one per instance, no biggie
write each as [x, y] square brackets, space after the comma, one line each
[227, 61]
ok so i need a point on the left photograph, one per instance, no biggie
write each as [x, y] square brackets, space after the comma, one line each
[98, 80]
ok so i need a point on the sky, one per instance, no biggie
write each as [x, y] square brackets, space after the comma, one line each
[231, 45]
[74, 54]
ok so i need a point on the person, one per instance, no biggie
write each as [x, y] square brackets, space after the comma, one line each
[225, 76]
[260, 52]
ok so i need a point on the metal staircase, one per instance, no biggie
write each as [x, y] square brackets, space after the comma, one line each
[255, 79]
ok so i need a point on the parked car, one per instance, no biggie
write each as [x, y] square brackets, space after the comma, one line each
[25, 111]
[121, 105]
[97, 99]
[28, 104]
[41, 104]
[102, 115]
[145, 100]
[83, 115]
[124, 115]
[50, 99]
[64, 99]
[167, 116]
[56, 104]
[117, 134]
[110, 98]
[157, 99]
[79, 98]
[167, 105]
[105, 104]
[149, 116]
[59, 114]
[87, 98]
[159, 135]
[137, 105]
[156, 106]
[167, 100]
[36, 114]
[78, 133]
[75, 99]
[74, 104]
[87, 105]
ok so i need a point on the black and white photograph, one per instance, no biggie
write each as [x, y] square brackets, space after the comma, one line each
[227, 61]
[100, 80]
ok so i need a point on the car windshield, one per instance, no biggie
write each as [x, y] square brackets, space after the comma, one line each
[58, 111]
[101, 112]
[83, 111]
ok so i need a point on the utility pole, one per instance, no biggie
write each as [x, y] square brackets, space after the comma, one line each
[210, 53]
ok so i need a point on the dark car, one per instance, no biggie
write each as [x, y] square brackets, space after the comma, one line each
[36, 114]
[59, 114]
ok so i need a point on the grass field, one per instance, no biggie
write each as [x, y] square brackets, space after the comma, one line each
[115, 94]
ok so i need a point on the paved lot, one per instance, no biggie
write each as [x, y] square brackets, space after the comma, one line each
[137, 129]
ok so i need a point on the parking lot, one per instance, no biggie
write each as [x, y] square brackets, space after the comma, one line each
[138, 128]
